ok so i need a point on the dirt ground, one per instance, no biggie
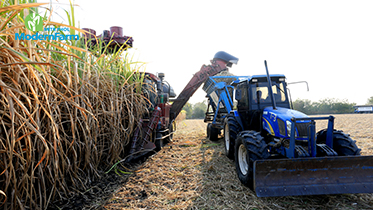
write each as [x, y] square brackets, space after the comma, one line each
[194, 173]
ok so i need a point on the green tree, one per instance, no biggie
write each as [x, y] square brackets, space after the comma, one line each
[343, 106]
[188, 109]
[304, 106]
[199, 110]
[324, 106]
[370, 101]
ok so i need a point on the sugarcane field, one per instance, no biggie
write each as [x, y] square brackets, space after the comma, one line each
[168, 105]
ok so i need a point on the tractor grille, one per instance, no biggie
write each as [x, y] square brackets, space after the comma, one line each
[281, 127]
[302, 129]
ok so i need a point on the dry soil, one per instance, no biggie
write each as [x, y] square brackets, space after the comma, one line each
[193, 173]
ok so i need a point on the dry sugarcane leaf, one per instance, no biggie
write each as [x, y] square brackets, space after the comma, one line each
[5, 197]
[20, 6]
[9, 19]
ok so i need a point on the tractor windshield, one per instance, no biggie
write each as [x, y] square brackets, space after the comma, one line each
[260, 93]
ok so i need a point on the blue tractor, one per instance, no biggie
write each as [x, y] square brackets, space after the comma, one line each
[276, 149]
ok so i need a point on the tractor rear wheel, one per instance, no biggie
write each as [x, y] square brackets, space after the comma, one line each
[342, 143]
[250, 146]
[212, 133]
[208, 130]
[231, 128]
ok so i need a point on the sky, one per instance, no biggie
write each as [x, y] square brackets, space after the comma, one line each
[328, 43]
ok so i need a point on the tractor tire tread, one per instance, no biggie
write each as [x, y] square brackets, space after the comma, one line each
[257, 150]
[214, 134]
[342, 142]
[233, 132]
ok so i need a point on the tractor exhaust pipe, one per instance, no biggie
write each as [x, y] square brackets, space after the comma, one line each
[270, 87]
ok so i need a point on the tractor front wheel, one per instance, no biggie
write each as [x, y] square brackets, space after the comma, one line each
[250, 146]
[342, 143]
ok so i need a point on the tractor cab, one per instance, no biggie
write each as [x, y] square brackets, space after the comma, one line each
[260, 94]
[253, 97]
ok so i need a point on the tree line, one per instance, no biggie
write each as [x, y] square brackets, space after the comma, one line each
[323, 106]
[195, 111]
[327, 106]
[370, 101]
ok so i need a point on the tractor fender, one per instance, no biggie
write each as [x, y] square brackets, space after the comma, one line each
[238, 118]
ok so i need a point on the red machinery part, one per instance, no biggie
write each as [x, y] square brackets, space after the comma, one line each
[113, 39]
[217, 65]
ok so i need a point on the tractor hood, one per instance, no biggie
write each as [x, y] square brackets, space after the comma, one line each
[277, 121]
[283, 113]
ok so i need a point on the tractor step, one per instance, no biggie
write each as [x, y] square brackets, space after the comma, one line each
[313, 176]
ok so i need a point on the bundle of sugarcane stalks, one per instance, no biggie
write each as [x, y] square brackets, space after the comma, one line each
[65, 115]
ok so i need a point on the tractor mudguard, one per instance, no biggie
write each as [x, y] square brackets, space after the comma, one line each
[238, 118]
[313, 176]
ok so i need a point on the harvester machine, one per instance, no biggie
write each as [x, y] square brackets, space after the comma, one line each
[276, 149]
[158, 125]
[157, 128]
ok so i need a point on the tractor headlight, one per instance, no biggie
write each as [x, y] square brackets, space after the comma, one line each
[288, 126]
